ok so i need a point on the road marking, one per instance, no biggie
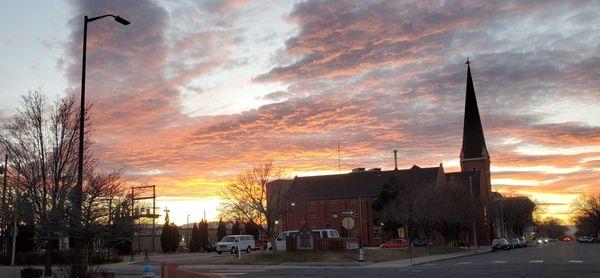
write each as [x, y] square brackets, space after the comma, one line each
[463, 263]
[575, 261]
[499, 262]
[536, 261]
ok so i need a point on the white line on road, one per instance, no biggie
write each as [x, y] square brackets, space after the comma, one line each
[463, 263]
[575, 261]
[536, 261]
[499, 262]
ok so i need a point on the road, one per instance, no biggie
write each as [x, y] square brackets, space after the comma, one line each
[549, 260]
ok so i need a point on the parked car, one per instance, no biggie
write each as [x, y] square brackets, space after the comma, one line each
[417, 242]
[210, 247]
[515, 243]
[281, 240]
[523, 241]
[233, 242]
[567, 239]
[325, 233]
[395, 243]
[500, 243]
[585, 239]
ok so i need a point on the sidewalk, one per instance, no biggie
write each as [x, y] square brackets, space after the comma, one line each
[429, 259]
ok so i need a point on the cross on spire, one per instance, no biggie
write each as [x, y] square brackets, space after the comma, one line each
[467, 62]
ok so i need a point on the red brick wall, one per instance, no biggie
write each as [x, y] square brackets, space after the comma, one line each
[323, 214]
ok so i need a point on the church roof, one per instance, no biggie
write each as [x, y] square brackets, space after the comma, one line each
[473, 145]
[363, 184]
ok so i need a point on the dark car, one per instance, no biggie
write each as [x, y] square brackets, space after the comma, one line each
[500, 243]
[515, 243]
[523, 241]
[417, 242]
[210, 247]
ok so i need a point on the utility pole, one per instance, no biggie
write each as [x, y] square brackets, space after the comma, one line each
[153, 216]
[78, 268]
[395, 159]
[472, 214]
[132, 223]
[187, 226]
[339, 157]
[502, 216]
[4, 222]
[16, 230]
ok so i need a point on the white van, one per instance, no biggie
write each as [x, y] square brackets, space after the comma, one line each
[319, 233]
[233, 242]
[325, 233]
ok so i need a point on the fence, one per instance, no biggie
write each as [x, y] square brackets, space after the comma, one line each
[322, 244]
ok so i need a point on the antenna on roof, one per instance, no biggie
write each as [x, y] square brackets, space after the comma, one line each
[339, 157]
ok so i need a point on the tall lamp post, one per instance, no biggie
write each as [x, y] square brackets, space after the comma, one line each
[474, 226]
[76, 270]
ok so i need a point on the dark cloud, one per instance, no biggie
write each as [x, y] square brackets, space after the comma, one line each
[373, 76]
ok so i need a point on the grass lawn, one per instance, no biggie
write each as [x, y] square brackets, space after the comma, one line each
[372, 255]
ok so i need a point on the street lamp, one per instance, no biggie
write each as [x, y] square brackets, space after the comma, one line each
[76, 270]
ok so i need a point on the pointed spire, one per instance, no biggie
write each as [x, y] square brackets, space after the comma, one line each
[473, 145]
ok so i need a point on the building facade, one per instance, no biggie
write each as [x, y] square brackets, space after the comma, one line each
[318, 202]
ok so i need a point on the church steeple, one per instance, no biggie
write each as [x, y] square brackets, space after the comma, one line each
[473, 144]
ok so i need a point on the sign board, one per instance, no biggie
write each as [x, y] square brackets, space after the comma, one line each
[349, 213]
[304, 240]
[348, 223]
[352, 245]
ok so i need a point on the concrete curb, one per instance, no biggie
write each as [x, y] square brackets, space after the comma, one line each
[331, 264]
[427, 259]
[450, 258]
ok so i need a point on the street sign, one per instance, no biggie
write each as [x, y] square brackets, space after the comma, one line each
[349, 213]
[348, 223]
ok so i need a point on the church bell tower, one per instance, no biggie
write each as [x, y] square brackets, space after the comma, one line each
[474, 155]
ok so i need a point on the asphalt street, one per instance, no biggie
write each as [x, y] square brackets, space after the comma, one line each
[548, 260]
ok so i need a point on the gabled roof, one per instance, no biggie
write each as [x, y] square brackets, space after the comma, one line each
[363, 184]
[473, 144]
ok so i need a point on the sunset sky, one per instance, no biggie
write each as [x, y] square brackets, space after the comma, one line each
[193, 92]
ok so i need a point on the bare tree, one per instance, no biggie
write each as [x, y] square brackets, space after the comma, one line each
[518, 213]
[41, 141]
[587, 219]
[454, 212]
[256, 197]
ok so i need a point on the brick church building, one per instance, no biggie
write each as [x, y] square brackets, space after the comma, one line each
[321, 202]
